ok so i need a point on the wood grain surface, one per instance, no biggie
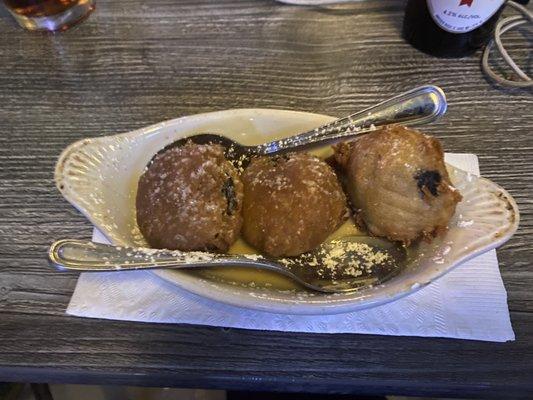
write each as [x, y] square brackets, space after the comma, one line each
[134, 63]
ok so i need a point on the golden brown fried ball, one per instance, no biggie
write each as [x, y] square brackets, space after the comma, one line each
[398, 183]
[190, 198]
[291, 204]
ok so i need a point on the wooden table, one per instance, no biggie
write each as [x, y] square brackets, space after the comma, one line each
[134, 63]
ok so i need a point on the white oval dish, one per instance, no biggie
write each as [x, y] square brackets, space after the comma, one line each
[99, 177]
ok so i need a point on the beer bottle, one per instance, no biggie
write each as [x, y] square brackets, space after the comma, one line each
[450, 28]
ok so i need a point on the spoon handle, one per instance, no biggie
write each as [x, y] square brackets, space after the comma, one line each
[76, 255]
[414, 107]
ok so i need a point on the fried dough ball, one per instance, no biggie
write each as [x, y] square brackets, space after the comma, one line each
[190, 198]
[398, 183]
[291, 204]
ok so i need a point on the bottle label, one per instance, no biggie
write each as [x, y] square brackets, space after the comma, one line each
[460, 16]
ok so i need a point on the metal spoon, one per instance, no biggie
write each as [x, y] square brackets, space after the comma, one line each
[341, 265]
[414, 107]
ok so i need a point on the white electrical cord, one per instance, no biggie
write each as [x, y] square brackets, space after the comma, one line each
[504, 25]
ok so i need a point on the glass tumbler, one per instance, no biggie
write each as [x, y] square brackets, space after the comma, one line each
[49, 15]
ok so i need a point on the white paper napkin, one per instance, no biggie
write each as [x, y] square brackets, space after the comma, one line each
[470, 302]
